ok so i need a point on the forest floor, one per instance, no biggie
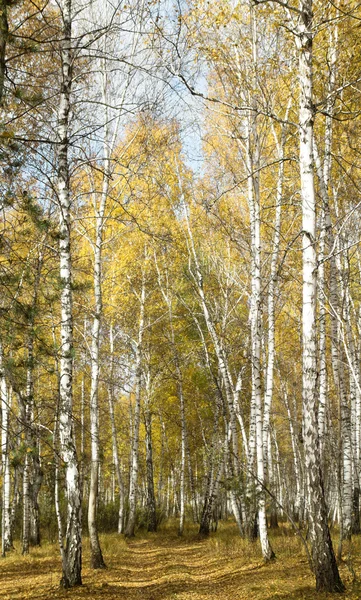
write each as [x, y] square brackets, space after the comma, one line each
[163, 566]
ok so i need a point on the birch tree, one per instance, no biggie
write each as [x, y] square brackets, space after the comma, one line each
[72, 555]
[6, 537]
[324, 562]
[116, 458]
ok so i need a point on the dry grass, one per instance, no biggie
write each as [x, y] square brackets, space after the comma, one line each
[164, 567]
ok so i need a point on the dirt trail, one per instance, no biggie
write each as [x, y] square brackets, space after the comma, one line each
[162, 568]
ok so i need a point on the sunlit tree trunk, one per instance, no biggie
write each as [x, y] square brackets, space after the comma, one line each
[272, 288]
[96, 557]
[335, 281]
[252, 163]
[73, 542]
[324, 562]
[355, 398]
[255, 317]
[345, 409]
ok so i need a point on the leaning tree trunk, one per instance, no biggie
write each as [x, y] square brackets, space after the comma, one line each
[324, 562]
[73, 539]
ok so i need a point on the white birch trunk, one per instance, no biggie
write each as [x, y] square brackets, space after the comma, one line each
[324, 562]
[96, 557]
[271, 299]
[345, 470]
[116, 461]
[252, 161]
[355, 399]
[255, 317]
[27, 410]
[73, 544]
[6, 537]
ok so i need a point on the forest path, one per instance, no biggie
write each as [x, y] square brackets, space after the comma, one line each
[165, 567]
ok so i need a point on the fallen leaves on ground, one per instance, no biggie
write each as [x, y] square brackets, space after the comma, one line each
[165, 567]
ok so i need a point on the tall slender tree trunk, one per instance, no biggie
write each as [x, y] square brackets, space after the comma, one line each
[37, 479]
[268, 396]
[324, 562]
[33, 474]
[192, 482]
[6, 537]
[27, 416]
[252, 162]
[337, 358]
[355, 397]
[183, 453]
[267, 551]
[73, 537]
[151, 504]
[96, 557]
[298, 504]
[116, 461]
[130, 528]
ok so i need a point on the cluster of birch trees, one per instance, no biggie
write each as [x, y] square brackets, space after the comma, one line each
[180, 334]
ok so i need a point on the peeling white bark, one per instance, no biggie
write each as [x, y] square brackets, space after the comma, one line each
[324, 563]
[73, 545]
